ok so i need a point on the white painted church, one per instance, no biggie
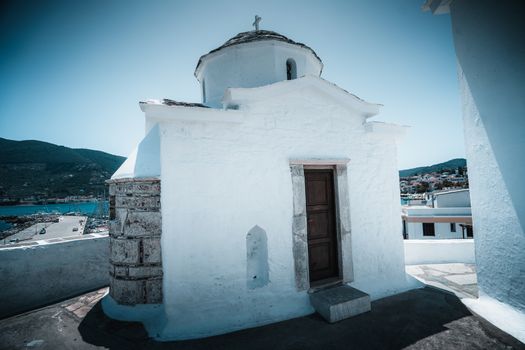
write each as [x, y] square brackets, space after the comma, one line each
[233, 212]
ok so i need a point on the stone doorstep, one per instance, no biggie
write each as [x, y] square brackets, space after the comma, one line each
[341, 302]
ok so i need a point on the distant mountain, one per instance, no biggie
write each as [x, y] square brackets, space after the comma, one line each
[44, 170]
[451, 164]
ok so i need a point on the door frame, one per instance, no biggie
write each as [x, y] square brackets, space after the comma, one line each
[342, 217]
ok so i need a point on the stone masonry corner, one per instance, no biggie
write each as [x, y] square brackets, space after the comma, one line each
[135, 231]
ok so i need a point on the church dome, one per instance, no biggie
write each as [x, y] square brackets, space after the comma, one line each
[252, 59]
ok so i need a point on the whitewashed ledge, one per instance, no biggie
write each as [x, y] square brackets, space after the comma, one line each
[23, 244]
[319, 161]
[439, 251]
[39, 273]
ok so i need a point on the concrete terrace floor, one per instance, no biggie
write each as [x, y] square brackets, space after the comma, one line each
[456, 278]
[418, 319]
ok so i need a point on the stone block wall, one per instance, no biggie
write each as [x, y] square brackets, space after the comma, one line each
[135, 231]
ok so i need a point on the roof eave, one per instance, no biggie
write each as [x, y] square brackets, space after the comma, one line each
[159, 112]
[240, 96]
[382, 128]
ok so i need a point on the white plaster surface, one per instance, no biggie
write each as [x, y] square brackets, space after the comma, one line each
[151, 315]
[144, 161]
[414, 270]
[37, 275]
[442, 231]
[224, 171]
[221, 179]
[439, 251]
[251, 65]
[452, 199]
[492, 80]
[501, 315]
[491, 74]
[424, 211]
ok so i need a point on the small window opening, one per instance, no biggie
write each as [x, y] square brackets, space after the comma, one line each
[428, 229]
[452, 227]
[291, 69]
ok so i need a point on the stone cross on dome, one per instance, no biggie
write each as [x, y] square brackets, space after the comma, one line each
[256, 22]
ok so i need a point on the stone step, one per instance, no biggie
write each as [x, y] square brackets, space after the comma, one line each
[341, 302]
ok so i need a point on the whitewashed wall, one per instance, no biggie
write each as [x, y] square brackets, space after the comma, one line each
[442, 231]
[251, 65]
[452, 200]
[38, 275]
[219, 180]
[439, 251]
[377, 240]
[492, 81]
[488, 37]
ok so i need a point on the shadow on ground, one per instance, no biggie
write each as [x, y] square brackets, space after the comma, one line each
[417, 319]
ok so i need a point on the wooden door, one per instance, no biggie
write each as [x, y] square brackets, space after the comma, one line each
[320, 213]
[470, 232]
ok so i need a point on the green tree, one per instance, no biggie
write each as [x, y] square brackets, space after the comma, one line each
[422, 187]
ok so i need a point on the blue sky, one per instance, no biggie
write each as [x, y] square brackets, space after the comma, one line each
[72, 72]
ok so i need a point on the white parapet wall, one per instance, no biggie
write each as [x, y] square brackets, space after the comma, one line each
[440, 251]
[45, 272]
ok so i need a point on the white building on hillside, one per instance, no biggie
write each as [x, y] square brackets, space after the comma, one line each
[447, 216]
[231, 210]
[449, 198]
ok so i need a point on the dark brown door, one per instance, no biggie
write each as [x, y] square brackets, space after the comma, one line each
[320, 213]
[470, 232]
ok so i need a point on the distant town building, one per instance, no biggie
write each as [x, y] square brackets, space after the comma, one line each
[447, 216]
[449, 199]
[434, 181]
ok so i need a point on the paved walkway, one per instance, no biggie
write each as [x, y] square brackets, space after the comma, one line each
[418, 319]
[459, 279]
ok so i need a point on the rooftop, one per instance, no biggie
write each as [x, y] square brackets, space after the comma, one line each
[438, 193]
[457, 278]
[169, 102]
[418, 319]
[417, 210]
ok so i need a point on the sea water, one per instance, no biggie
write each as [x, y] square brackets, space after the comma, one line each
[87, 208]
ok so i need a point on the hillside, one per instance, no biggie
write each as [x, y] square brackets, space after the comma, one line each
[43, 170]
[451, 164]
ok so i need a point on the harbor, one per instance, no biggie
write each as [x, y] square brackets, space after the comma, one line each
[86, 208]
[26, 223]
[59, 227]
